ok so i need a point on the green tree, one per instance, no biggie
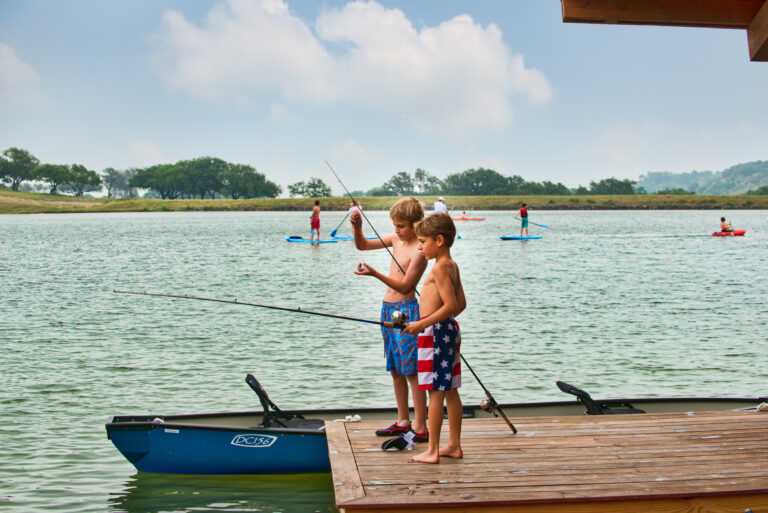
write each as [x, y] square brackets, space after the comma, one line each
[612, 186]
[53, 174]
[113, 180]
[81, 179]
[241, 180]
[16, 166]
[762, 190]
[166, 179]
[475, 182]
[426, 184]
[314, 188]
[400, 184]
[201, 176]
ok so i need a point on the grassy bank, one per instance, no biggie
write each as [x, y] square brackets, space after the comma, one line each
[12, 202]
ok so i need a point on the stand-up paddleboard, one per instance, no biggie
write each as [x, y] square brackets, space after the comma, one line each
[350, 237]
[516, 237]
[734, 233]
[468, 218]
[299, 238]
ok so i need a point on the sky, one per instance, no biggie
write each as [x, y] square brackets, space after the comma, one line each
[374, 88]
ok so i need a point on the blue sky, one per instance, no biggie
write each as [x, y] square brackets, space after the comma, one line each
[374, 88]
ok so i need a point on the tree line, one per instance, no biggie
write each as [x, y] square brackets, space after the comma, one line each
[472, 182]
[204, 177]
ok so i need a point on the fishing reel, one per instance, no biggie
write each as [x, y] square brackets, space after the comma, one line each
[399, 318]
[488, 405]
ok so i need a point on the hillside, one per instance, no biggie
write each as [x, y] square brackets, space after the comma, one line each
[737, 179]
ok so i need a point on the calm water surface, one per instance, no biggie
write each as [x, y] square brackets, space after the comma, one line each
[621, 303]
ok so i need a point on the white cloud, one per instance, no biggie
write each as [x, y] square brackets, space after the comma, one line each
[145, 153]
[352, 151]
[18, 81]
[454, 78]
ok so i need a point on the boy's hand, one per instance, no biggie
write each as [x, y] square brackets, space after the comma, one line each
[413, 328]
[356, 219]
[364, 269]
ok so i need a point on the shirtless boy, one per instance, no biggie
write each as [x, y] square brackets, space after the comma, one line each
[442, 299]
[400, 348]
[314, 221]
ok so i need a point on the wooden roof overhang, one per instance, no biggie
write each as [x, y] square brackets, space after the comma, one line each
[749, 15]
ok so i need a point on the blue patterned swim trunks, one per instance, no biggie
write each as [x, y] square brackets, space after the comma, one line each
[400, 348]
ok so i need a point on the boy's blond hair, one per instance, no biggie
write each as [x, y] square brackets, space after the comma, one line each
[436, 224]
[409, 210]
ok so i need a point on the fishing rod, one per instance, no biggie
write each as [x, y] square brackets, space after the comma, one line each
[399, 319]
[491, 404]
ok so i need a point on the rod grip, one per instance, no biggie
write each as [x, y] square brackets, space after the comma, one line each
[388, 324]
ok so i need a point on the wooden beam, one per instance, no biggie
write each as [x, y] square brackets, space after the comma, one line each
[757, 35]
[685, 13]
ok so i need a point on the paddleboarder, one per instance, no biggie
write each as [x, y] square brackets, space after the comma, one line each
[523, 214]
[314, 221]
[400, 348]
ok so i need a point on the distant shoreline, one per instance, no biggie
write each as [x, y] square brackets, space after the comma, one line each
[12, 202]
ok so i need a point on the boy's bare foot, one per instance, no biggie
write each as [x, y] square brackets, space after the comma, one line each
[450, 451]
[426, 457]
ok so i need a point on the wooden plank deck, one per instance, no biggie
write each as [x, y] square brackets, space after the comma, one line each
[675, 462]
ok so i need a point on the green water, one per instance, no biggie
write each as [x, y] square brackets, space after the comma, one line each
[621, 303]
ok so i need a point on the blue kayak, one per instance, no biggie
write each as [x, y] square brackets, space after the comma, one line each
[515, 237]
[299, 238]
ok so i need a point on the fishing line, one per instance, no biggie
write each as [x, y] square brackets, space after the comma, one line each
[492, 402]
[369, 222]
[273, 307]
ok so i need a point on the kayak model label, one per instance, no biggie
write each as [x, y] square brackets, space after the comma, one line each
[253, 440]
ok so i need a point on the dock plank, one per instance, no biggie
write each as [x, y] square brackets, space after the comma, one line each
[668, 461]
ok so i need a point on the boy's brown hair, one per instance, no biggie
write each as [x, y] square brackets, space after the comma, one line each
[436, 224]
[409, 210]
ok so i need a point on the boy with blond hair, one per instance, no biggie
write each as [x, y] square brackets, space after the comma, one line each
[400, 348]
[442, 299]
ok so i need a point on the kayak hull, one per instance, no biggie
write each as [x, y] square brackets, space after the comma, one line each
[299, 238]
[515, 237]
[734, 233]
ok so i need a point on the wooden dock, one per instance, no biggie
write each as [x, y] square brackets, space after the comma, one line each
[670, 462]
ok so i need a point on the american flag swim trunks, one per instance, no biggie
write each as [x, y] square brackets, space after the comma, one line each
[439, 362]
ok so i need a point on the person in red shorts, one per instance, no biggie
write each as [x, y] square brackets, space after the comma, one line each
[314, 221]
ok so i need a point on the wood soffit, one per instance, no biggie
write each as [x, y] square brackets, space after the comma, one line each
[749, 15]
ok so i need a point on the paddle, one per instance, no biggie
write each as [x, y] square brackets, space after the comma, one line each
[542, 225]
[333, 233]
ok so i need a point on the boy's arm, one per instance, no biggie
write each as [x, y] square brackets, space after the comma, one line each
[461, 300]
[403, 285]
[361, 242]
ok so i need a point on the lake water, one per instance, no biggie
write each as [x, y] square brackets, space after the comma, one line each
[621, 303]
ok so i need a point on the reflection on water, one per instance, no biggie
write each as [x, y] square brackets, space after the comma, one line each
[145, 492]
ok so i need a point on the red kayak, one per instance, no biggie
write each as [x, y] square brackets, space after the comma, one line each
[734, 233]
[468, 218]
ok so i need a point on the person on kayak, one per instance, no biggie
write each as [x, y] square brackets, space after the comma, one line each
[314, 221]
[523, 215]
[400, 348]
[725, 226]
[441, 300]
